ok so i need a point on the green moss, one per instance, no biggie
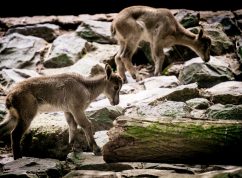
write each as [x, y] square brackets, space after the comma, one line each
[189, 131]
[89, 34]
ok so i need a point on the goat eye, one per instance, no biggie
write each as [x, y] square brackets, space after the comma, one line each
[116, 87]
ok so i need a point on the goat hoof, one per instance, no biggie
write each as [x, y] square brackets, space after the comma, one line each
[157, 74]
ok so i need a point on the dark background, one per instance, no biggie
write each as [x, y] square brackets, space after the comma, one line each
[9, 8]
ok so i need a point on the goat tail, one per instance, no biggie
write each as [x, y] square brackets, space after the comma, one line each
[10, 122]
[113, 31]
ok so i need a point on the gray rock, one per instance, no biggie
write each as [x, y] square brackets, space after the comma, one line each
[103, 118]
[206, 75]
[96, 31]
[159, 108]
[210, 16]
[130, 88]
[228, 111]
[183, 93]
[225, 93]
[19, 51]
[160, 82]
[66, 50]
[46, 31]
[239, 48]
[188, 18]
[180, 93]
[221, 43]
[12, 76]
[91, 174]
[32, 167]
[198, 103]
[103, 53]
[230, 26]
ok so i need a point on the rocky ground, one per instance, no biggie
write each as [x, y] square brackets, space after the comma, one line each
[185, 123]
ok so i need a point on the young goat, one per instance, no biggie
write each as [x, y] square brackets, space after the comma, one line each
[158, 27]
[70, 93]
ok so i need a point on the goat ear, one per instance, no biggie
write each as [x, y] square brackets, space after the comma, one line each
[108, 70]
[200, 34]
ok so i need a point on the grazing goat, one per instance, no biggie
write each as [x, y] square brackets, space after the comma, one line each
[70, 93]
[158, 27]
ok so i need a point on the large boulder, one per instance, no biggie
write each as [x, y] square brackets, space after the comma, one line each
[188, 18]
[226, 18]
[198, 103]
[225, 93]
[221, 43]
[33, 167]
[205, 74]
[46, 31]
[66, 50]
[96, 31]
[19, 51]
[180, 93]
[12, 76]
[100, 54]
[228, 111]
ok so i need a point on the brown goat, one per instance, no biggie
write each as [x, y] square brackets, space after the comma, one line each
[158, 27]
[70, 93]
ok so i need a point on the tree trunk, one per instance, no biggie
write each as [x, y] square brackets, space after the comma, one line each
[172, 140]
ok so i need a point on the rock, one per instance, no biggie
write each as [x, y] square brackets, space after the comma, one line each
[230, 26]
[239, 48]
[46, 31]
[130, 88]
[169, 108]
[225, 93]
[226, 18]
[183, 93]
[19, 51]
[206, 75]
[103, 118]
[198, 103]
[232, 172]
[229, 60]
[198, 113]
[101, 137]
[173, 69]
[188, 18]
[180, 93]
[160, 82]
[17, 21]
[228, 111]
[32, 167]
[210, 16]
[103, 53]
[91, 173]
[221, 44]
[66, 50]
[96, 31]
[12, 76]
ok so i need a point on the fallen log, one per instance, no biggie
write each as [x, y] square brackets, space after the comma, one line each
[170, 140]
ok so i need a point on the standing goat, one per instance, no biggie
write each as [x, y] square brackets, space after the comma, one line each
[158, 27]
[70, 93]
